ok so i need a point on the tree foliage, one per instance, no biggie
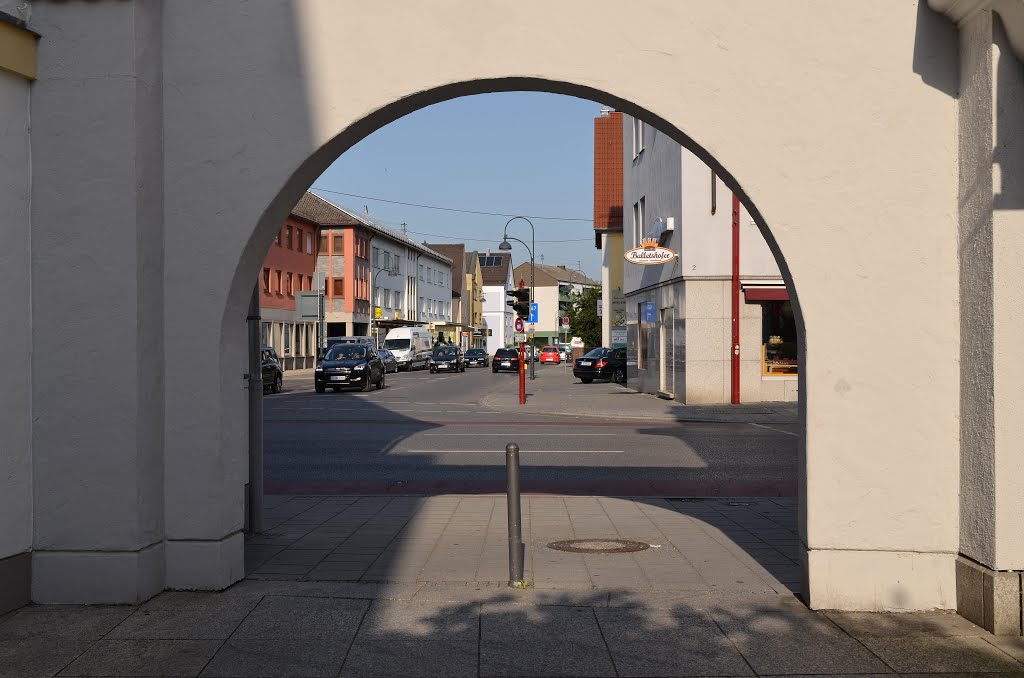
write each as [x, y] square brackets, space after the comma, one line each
[583, 319]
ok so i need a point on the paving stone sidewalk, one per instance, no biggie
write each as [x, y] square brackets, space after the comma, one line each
[555, 390]
[735, 544]
[415, 586]
[328, 629]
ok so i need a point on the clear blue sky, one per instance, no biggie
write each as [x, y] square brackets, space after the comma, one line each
[513, 153]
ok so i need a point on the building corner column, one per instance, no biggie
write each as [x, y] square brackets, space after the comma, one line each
[991, 236]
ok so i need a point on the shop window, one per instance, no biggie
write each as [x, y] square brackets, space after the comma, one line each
[287, 332]
[338, 287]
[264, 331]
[778, 339]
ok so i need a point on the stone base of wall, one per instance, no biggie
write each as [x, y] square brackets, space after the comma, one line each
[15, 581]
[989, 598]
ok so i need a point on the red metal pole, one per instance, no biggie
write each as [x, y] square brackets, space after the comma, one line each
[735, 299]
[522, 373]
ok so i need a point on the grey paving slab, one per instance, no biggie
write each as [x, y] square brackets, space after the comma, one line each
[778, 638]
[411, 659]
[187, 623]
[144, 658]
[924, 653]
[277, 659]
[71, 622]
[294, 617]
[421, 621]
[38, 657]
[1011, 645]
[937, 623]
[669, 643]
[543, 641]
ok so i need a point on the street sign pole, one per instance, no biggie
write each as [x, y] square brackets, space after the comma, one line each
[522, 373]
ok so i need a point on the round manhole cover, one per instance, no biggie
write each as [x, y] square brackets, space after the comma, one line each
[598, 546]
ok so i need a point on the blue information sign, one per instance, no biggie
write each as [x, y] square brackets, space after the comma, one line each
[650, 312]
[533, 313]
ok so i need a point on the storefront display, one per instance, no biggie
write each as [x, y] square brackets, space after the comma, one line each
[778, 339]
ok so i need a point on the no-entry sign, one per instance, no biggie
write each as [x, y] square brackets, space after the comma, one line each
[519, 324]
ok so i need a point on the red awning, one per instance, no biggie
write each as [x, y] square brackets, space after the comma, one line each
[766, 294]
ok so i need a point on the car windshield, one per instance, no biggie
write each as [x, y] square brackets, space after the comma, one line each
[506, 353]
[396, 344]
[445, 351]
[346, 352]
[476, 351]
[596, 353]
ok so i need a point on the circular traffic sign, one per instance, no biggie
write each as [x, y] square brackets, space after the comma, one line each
[519, 325]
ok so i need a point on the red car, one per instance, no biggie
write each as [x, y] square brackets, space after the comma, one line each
[550, 354]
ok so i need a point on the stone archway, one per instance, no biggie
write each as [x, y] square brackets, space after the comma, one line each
[819, 117]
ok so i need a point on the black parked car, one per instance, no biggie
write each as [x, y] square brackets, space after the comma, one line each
[601, 363]
[505, 359]
[349, 365]
[477, 356]
[447, 359]
[388, 358]
[273, 375]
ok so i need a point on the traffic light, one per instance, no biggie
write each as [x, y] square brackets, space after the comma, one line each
[520, 302]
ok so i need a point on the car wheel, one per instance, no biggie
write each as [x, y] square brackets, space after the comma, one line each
[278, 384]
[586, 380]
[620, 376]
[320, 388]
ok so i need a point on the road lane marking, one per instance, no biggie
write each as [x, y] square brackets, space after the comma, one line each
[575, 435]
[492, 451]
[777, 430]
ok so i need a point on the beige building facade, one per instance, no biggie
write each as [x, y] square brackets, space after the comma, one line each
[876, 145]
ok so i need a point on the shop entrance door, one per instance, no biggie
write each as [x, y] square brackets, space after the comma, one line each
[665, 357]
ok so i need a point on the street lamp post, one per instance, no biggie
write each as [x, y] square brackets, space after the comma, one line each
[506, 245]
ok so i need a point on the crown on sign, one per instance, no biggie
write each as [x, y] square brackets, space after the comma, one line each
[649, 243]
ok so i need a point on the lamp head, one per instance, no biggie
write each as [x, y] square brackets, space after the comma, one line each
[505, 245]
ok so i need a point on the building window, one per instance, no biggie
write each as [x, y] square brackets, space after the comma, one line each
[291, 285]
[338, 287]
[287, 332]
[288, 236]
[280, 281]
[309, 283]
[638, 137]
[714, 192]
[421, 272]
[376, 257]
[264, 332]
[322, 245]
[266, 280]
[339, 244]
[299, 345]
[778, 339]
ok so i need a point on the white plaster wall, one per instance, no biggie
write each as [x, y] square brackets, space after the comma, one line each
[548, 319]
[258, 103]
[15, 314]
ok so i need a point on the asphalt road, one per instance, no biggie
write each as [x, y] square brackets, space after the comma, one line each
[429, 433]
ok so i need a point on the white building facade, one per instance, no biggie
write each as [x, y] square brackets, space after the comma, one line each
[680, 315]
[497, 274]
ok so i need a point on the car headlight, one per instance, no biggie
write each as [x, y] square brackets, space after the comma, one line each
[319, 368]
[358, 368]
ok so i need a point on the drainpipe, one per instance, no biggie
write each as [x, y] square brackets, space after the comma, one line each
[735, 299]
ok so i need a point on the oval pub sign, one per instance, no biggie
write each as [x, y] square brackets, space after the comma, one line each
[649, 253]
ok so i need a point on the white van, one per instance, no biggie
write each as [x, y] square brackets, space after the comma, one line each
[410, 346]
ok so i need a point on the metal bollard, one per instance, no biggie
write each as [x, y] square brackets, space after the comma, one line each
[515, 519]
